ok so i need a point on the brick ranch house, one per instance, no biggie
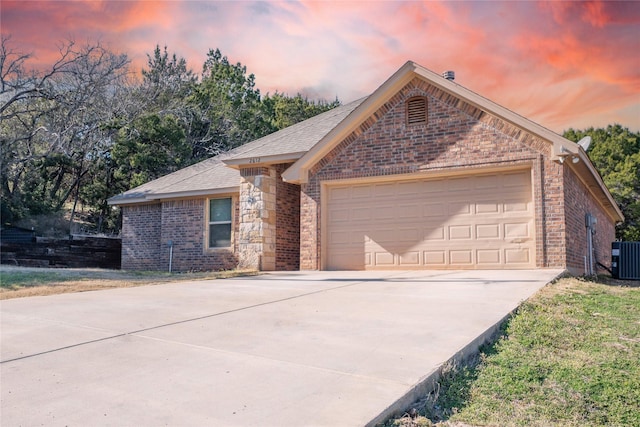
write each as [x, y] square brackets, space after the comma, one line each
[421, 174]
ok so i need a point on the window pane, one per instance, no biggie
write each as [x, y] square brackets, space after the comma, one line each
[219, 235]
[219, 210]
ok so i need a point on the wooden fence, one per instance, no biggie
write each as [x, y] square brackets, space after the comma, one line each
[74, 252]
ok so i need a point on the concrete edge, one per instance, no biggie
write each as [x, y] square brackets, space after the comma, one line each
[428, 383]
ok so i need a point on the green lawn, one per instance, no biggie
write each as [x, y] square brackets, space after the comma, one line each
[569, 357]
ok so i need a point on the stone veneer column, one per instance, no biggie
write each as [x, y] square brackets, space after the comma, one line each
[257, 231]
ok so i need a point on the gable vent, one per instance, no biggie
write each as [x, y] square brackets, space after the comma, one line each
[417, 110]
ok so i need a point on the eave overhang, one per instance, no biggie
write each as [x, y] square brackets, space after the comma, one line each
[238, 163]
[298, 172]
[157, 197]
[580, 163]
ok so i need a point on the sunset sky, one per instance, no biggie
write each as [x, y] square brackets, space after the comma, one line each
[560, 64]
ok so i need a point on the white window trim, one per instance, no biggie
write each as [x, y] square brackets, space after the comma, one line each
[208, 223]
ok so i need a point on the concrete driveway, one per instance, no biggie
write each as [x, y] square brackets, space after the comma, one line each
[285, 349]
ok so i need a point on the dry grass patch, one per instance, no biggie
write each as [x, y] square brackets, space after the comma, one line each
[19, 282]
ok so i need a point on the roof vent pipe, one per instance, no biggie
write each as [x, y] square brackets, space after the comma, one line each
[449, 75]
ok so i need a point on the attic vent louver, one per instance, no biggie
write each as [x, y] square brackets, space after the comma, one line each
[417, 110]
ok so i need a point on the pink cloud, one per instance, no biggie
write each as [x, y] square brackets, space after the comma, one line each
[558, 63]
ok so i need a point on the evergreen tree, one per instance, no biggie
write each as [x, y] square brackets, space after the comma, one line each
[615, 152]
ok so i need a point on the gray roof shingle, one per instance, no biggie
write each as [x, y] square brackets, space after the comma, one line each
[298, 138]
[212, 175]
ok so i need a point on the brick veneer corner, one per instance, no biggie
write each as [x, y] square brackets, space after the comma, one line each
[141, 226]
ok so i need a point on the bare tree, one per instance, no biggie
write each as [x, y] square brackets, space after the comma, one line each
[54, 123]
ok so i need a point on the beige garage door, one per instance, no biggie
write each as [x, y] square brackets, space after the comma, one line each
[483, 221]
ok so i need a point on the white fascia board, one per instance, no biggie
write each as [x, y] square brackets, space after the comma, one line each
[196, 193]
[584, 159]
[126, 201]
[235, 163]
[297, 173]
[177, 195]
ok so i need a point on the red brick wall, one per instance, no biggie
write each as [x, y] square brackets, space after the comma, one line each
[147, 230]
[578, 202]
[550, 227]
[183, 222]
[287, 222]
[141, 237]
[456, 136]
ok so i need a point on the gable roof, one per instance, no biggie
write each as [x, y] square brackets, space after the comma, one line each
[216, 176]
[306, 142]
[298, 172]
[562, 147]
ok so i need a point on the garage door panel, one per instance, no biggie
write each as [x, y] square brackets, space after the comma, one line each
[411, 211]
[434, 210]
[461, 257]
[408, 235]
[385, 190]
[360, 214]
[460, 184]
[384, 212]
[382, 237]
[480, 221]
[459, 208]
[367, 259]
[487, 182]
[488, 207]
[434, 258]
[516, 206]
[460, 232]
[384, 259]
[433, 186]
[347, 238]
[409, 188]
[340, 194]
[337, 215]
[487, 231]
[512, 230]
[354, 238]
[339, 238]
[520, 179]
[349, 260]
[488, 257]
[435, 233]
[361, 192]
[517, 256]
[411, 258]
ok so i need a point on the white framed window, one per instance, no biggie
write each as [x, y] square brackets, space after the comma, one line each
[220, 223]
